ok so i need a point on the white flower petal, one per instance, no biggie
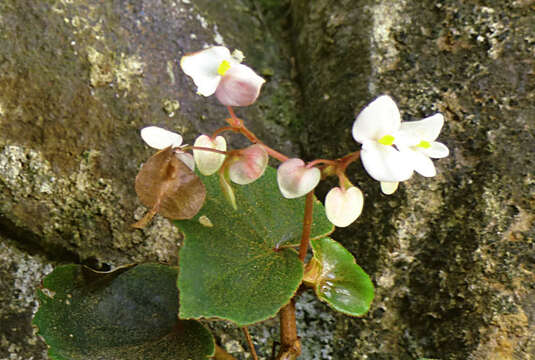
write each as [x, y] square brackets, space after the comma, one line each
[295, 180]
[406, 139]
[342, 207]
[381, 117]
[209, 162]
[421, 163]
[426, 129]
[388, 188]
[159, 138]
[384, 163]
[240, 86]
[202, 67]
[436, 151]
[186, 158]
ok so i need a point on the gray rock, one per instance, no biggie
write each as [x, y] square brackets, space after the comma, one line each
[78, 82]
[20, 275]
[452, 256]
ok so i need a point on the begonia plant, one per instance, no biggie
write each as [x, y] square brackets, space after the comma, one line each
[247, 232]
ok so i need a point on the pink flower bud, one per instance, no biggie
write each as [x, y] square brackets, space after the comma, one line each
[209, 162]
[295, 180]
[343, 206]
[240, 86]
[248, 164]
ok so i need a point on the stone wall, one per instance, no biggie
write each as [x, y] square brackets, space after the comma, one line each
[452, 257]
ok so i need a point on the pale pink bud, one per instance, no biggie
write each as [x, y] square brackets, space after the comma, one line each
[343, 206]
[248, 164]
[240, 86]
[295, 179]
[209, 162]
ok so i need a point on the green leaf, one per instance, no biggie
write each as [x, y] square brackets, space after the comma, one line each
[130, 313]
[338, 280]
[242, 268]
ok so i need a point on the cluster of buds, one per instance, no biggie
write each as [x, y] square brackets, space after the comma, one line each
[391, 152]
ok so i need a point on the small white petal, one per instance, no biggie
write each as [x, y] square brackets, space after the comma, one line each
[381, 117]
[426, 129]
[159, 138]
[240, 86]
[209, 162]
[436, 151]
[186, 158]
[295, 180]
[342, 207]
[388, 188]
[249, 165]
[384, 163]
[421, 163]
[202, 67]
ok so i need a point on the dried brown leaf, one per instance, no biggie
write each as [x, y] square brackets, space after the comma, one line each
[169, 187]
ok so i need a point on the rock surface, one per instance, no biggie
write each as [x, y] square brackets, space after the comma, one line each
[452, 257]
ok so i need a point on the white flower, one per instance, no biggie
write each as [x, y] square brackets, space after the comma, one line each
[215, 70]
[391, 149]
[417, 140]
[375, 128]
[209, 162]
[343, 206]
[295, 179]
[159, 138]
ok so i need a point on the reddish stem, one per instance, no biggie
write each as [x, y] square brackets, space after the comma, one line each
[221, 130]
[204, 149]
[250, 342]
[232, 116]
[290, 344]
[238, 126]
[348, 159]
[321, 161]
[274, 153]
[307, 225]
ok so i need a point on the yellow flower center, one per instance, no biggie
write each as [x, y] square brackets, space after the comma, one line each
[424, 144]
[223, 67]
[386, 140]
